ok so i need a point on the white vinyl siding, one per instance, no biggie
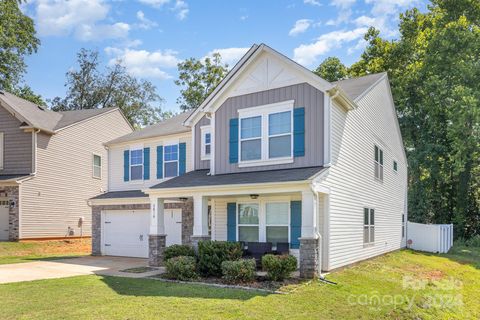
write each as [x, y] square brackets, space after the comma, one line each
[350, 180]
[1, 150]
[56, 198]
[115, 164]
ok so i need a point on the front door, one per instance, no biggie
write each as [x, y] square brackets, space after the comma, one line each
[173, 226]
[3, 219]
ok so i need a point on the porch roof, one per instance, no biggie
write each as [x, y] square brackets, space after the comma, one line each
[199, 178]
[13, 177]
[121, 195]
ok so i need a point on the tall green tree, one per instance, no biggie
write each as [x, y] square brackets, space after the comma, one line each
[198, 78]
[434, 68]
[88, 87]
[332, 69]
[17, 40]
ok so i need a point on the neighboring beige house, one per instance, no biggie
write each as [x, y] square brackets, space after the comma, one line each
[280, 157]
[50, 164]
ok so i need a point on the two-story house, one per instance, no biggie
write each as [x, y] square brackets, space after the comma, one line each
[50, 163]
[279, 155]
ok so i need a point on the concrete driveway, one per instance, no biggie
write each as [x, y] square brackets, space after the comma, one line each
[62, 268]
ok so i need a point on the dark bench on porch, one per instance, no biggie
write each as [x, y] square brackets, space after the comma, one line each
[257, 250]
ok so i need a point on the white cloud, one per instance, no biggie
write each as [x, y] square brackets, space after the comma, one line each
[343, 16]
[80, 17]
[300, 26]
[307, 54]
[312, 2]
[144, 23]
[229, 56]
[181, 8]
[343, 3]
[154, 3]
[143, 63]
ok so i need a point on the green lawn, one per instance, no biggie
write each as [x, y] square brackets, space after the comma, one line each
[16, 252]
[447, 286]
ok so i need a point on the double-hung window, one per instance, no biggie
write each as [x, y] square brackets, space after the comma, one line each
[248, 222]
[97, 166]
[206, 143]
[277, 222]
[266, 134]
[170, 160]
[251, 138]
[136, 164]
[368, 226]
[378, 163]
[264, 221]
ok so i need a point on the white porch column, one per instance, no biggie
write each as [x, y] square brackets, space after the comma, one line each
[310, 240]
[200, 219]
[157, 236]
[157, 220]
[309, 214]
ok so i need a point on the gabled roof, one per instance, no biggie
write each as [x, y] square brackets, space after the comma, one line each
[200, 178]
[355, 87]
[39, 117]
[249, 57]
[31, 114]
[13, 177]
[170, 126]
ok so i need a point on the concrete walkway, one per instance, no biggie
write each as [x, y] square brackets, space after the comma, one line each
[62, 268]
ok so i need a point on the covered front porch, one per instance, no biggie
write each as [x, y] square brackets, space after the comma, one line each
[278, 215]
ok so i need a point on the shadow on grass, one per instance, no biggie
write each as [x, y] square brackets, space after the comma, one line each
[154, 288]
[460, 254]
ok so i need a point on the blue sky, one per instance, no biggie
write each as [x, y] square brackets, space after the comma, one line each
[152, 36]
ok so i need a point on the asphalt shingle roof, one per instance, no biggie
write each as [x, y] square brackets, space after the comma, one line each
[121, 194]
[163, 128]
[44, 119]
[200, 178]
[354, 87]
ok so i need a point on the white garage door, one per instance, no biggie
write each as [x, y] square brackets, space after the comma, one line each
[126, 233]
[3, 219]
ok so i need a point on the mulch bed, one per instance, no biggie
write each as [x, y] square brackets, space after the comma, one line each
[261, 283]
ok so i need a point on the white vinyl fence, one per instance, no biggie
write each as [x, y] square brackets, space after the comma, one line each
[437, 238]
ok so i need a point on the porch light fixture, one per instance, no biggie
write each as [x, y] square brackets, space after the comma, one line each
[253, 196]
[183, 199]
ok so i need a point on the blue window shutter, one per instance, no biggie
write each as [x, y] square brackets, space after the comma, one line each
[295, 223]
[146, 163]
[159, 162]
[232, 221]
[299, 132]
[126, 165]
[182, 158]
[233, 142]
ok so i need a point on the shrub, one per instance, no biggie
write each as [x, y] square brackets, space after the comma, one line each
[278, 268]
[181, 268]
[473, 241]
[178, 250]
[239, 271]
[211, 254]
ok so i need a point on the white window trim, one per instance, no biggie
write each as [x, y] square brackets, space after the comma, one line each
[134, 148]
[204, 130]
[94, 166]
[264, 111]
[380, 165]
[262, 217]
[2, 150]
[170, 161]
[370, 226]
